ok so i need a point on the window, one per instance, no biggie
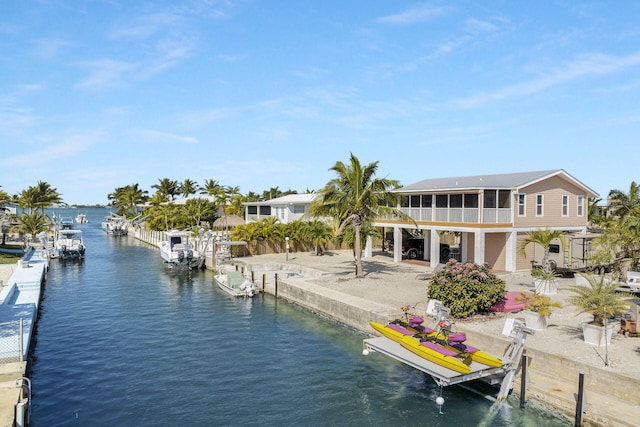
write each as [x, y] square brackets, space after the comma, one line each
[298, 209]
[554, 249]
[471, 200]
[539, 205]
[252, 209]
[504, 198]
[442, 201]
[580, 206]
[489, 198]
[522, 205]
[414, 201]
[404, 201]
[265, 210]
[565, 205]
[426, 200]
[455, 201]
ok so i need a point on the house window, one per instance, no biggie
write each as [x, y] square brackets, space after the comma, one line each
[265, 210]
[580, 205]
[504, 199]
[471, 200]
[426, 200]
[455, 201]
[404, 201]
[414, 201]
[522, 205]
[442, 201]
[565, 205]
[539, 205]
[489, 198]
[252, 210]
[298, 209]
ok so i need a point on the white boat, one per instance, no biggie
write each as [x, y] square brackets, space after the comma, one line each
[115, 225]
[234, 282]
[68, 244]
[178, 252]
[81, 219]
[66, 222]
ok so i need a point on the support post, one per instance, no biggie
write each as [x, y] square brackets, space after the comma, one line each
[579, 401]
[276, 289]
[523, 380]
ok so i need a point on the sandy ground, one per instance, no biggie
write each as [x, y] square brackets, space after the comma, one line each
[395, 285]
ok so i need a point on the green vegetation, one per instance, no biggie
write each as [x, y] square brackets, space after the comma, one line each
[600, 298]
[466, 288]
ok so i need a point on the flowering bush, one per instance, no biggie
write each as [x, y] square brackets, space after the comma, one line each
[467, 289]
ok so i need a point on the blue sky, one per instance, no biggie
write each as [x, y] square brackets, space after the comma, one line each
[96, 95]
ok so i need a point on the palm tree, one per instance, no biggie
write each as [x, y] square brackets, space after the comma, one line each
[46, 195]
[355, 197]
[128, 199]
[600, 298]
[28, 199]
[543, 237]
[32, 224]
[188, 187]
[317, 232]
[167, 187]
[199, 210]
[622, 204]
[211, 187]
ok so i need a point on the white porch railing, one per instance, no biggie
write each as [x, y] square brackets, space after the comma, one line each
[462, 215]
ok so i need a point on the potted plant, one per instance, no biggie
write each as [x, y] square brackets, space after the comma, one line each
[544, 277]
[537, 309]
[601, 299]
[545, 282]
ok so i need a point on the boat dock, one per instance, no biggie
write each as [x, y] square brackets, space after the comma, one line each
[19, 299]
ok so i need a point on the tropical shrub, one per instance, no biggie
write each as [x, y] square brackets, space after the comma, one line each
[466, 288]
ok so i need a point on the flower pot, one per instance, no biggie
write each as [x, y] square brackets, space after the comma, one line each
[546, 287]
[594, 334]
[534, 320]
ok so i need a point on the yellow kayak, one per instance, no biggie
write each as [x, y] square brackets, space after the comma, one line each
[396, 333]
[433, 352]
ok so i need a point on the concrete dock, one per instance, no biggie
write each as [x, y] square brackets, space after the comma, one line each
[19, 299]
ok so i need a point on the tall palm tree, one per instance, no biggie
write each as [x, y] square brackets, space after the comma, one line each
[28, 199]
[211, 187]
[542, 237]
[356, 197]
[621, 203]
[47, 195]
[128, 199]
[188, 187]
[167, 187]
[317, 232]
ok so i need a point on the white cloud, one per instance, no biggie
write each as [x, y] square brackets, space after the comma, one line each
[416, 14]
[149, 136]
[104, 74]
[70, 146]
[584, 66]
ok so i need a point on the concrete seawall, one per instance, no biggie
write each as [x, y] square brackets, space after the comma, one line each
[612, 398]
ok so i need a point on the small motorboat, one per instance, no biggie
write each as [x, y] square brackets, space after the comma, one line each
[81, 219]
[178, 252]
[68, 244]
[234, 282]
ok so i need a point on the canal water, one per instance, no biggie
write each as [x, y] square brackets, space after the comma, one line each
[124, 341]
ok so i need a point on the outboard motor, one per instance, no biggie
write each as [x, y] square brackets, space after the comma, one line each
[189, 255]
[180, 256]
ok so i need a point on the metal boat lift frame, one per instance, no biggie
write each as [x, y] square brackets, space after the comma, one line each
[514, 328]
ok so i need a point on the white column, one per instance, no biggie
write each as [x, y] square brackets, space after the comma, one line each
[368, 248]
[397, 244]
[478, 247]
[434, 251]
[510, 252]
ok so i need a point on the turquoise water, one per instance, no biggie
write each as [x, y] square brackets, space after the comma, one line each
[124, 341]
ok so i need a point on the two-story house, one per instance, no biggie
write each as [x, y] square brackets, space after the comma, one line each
[286, 209]
[491, 214]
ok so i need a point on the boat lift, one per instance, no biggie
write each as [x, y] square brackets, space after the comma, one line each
[514, 328]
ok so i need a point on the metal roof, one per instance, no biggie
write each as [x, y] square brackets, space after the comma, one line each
[507, 181]
[288, 199]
